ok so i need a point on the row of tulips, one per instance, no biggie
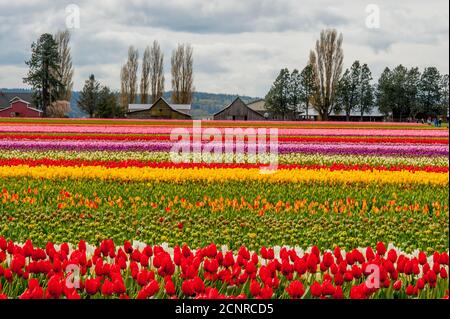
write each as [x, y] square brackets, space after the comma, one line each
[234, 213]
[166, 137]
[177, 175]
[137, 129]
[292, 158]
[283, 148]
[137, 163]
[142, 271]
[208, 123]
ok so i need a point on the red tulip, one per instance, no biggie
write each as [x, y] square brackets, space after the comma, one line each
[443, 273]
[255, 288]
[17, 263]
[338, 279]
[328, 288]
[370, 255]
[170, 288]
[338, 294]
[443, 258]
[422, 258]
[328, 259]
[54, 286]
[107, 288]
[142, 278]
[92, 286]
[392, 255]
[381, 249]
[316, 289]
[188, 288]
[409, 290]
[300, 266]
[3, 243]
[152, 288]
[420, 283]
[266, 292]
[357, 292]
[127, 247]
[8, 274]
[295, 289]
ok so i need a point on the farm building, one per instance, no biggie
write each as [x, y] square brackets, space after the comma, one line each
[239, 111]
[17, 105]
[161, 109]
[373, 116]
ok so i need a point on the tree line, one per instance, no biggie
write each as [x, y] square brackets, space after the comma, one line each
[151, 86]
[400, 93]
[51, 73]
[51, 77]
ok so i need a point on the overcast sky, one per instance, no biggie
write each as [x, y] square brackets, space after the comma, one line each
[239, 45]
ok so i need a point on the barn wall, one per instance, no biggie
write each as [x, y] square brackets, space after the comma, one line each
[238, 111]
[20, 109]
[160, 110]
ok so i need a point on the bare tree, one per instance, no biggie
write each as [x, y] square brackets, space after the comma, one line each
[132, 66]
[65, 74]
[124, 85]
[327, 62]
[182, 74]
[145, 76]
[58, 109]
[176, 63]
[156, 71]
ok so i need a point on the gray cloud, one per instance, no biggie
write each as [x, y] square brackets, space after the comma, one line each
[239, 46]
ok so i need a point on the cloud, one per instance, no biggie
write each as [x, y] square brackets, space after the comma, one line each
[222, 17]
[239, 46]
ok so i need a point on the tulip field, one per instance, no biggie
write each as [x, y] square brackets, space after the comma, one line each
[102, 205]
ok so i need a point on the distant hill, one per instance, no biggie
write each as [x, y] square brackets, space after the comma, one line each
[203, 104]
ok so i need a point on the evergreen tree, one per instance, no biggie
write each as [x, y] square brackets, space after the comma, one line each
[444, 95]
[366, 95]
[384, 91]
[44, 71]
[295, 91]
[349, 90]
[89, 97]
[430, 92]
[308, 86]
[108, 104]
[278, 97]
[412, 85]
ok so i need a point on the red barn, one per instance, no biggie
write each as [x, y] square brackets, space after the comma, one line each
[19, 108]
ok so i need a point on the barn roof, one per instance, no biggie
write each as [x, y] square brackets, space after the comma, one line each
[258, 105]
[7, 97]
[178, 108]
[237, 99]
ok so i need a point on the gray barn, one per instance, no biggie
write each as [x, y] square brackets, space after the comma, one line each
[238, 111]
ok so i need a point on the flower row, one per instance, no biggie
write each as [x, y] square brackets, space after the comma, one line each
[300, 175]
[283, 148]
[208, 123]
[292, 158]
[136, 129]
[137, 163]
[142, 271]
[234, 213]
[166, 137]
